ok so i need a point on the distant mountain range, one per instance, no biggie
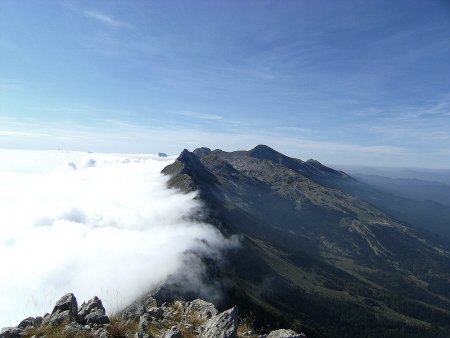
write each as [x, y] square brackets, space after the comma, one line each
[410, 188]
[422, 174]
[322, 251]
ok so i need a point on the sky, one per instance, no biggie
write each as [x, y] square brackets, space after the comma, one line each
[344, 82]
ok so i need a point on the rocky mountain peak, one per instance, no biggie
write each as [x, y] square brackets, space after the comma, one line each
[186, 156]
[264, 152]
[314, 162]
[203, 151]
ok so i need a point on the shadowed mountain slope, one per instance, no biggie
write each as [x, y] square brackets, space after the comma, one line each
[314, 257]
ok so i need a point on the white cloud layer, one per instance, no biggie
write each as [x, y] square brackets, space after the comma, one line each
[92, 224]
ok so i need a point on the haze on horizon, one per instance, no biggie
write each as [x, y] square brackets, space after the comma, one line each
[349, 82]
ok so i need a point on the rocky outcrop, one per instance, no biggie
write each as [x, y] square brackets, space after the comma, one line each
[26, 324]
[200, 308]
[92, 312]
[30, 322]
[11, 332]
[142, 319]
[66, 309]
[224, 325]
[282, 333]
[139, 307]
[66, 319]
[173, 332]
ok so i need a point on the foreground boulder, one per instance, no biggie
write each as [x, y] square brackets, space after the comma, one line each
[200, 308]
[66, 320]
[65, 310]
[92, 312]
[173, 332]
[282, 333]
[30, 322]
[11, 332]
[139, 307]
[74, 328]
[224, 325]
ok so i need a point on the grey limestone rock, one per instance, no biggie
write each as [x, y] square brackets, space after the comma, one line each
[45, 319]
[282, 333]
[144, 322]
[67, 302]
[97, 317]
[101, 333]
[92, 305]
[170, 310]
[74, 328]
[156, 312]
[200, 308]
[11, 332]
[30, 322]
[223, 325]
[173, 332]
[60, 317]
[66, 309]
[93, 312]
[91, 318]
[139, 307]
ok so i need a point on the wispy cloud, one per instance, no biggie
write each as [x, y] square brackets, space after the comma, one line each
[11, 133]
[106, 19]
[438, 110]
[197, 115]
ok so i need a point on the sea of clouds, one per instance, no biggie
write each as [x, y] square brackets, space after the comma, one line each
[92, 224]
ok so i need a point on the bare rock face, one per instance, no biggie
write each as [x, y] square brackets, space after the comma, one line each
[223, 325]
[201, 309]
[90, 319]
[139, 307]
[66, 309]
[11, 332]
[173, 332]
[156, 312]
[30, 322]
[282, 333]
[144, 321]
[45, 319]
[93, 312]
[74, 327]
[101, 332]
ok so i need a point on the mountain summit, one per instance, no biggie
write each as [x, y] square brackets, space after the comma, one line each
[313, 256]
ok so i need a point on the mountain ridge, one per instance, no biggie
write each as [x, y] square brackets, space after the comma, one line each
[358, 256]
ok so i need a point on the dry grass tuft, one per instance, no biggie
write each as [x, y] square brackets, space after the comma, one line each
[246, 326]
[55, 332]
[156, 330]
[121, 329]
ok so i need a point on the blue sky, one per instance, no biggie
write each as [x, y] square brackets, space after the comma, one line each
[345, 82]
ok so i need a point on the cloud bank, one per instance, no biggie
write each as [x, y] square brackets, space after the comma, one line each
[92, 224]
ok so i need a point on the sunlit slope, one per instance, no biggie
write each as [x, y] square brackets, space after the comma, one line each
[315, 256]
